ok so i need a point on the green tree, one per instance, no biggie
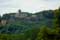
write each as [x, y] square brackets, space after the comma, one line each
[42, 35]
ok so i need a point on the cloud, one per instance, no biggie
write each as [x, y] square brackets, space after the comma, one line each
[27, 5]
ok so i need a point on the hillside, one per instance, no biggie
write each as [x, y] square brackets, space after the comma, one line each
[29, 25]
[27, 20]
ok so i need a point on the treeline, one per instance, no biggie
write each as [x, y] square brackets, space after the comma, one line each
[20, 30]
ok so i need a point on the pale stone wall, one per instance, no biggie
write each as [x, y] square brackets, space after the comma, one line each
[21, 15]
[34, 15]
[3, 22]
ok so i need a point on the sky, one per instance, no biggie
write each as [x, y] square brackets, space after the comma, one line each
[32, 6]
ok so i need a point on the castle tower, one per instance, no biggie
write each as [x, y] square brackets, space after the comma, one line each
[19, 11]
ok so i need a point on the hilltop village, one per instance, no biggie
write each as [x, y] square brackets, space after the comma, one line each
[44, 17]
[20, 16]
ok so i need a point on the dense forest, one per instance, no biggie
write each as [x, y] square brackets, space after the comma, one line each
[44, 25]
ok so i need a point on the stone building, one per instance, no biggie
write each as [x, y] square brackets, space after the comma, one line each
[21, 14]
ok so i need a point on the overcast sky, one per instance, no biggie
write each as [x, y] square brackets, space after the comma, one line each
[32, 6]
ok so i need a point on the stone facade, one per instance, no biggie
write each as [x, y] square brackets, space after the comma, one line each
[3, 22]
